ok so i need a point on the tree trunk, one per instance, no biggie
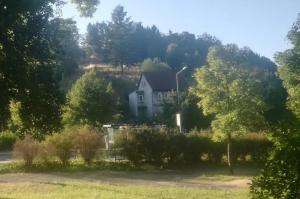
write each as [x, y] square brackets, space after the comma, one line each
[229, 154]
[122, 68]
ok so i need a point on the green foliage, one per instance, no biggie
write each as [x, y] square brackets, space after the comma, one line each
[289, 69]
[15, 123]
[155, 64]
[88, 140]
[192, 115]
[140, 144]
[7, 140]
[119, 30]
[64, 34]
[231, 87]
[61, 145]
[167, 146]
[30, 63]
[86, 7]
[123, 41]
[27, 149]
[281, 175]
[91, 100]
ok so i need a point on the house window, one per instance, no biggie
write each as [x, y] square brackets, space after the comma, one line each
[140, 98]
[160, 97]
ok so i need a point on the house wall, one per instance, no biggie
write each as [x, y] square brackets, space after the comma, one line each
[133, 103]
[159, 98]
[153, 100]
[148, 101]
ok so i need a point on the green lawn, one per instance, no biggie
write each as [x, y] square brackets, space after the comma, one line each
[120, 180]
[105, 191]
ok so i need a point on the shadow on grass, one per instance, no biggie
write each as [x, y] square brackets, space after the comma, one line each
[124, 171]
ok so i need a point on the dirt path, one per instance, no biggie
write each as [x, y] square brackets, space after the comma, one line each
[136, 178]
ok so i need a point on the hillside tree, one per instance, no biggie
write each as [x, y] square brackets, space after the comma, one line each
[91, 101]
[233, 87]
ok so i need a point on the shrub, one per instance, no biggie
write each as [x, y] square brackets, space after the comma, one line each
[281, 175]
[175, 143]
[45, 152]
[195, 147]
[152, 142]
[126, 146]
[159, 146]
[7, 140]
[27, 149]
[88, 140]
[143, 144]
[61, 145]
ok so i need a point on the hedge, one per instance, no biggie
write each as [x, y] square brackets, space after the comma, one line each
[166, 146]
[7, 140]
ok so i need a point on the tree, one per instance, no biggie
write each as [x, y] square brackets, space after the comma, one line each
[156, 44]
[119, 32]
[86, 7]
[192, 116]
[186, 49]
[97, 41]
[91, 101]
[29, 70]
[174, 56]
[154, 65]
[65, 38]
[289, 69]
[281, 175]
[233, 86]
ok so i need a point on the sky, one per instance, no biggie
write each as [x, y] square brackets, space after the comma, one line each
[261, 25]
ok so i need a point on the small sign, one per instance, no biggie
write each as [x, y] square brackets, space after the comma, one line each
[178, 120]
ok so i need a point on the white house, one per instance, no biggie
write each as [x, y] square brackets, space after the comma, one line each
[154, 88]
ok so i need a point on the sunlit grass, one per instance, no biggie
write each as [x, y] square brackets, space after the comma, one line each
[105, 191]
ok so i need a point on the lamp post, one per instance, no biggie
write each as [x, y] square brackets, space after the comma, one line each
[178, 116]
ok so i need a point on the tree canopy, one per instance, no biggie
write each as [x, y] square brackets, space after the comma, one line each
[30, 61]
[123, 41]
[154, 65]
[234, 86]
[281, 175]
[91, 101]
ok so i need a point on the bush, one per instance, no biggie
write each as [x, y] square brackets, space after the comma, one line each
[88, 140]
[45, 153]
[144, 144]
[126, 146]
[195, 147]
[27, 149]
[281, 175]
[257, 146]
[173, 148]
[7, 140]
[61, 145]
[160, 146]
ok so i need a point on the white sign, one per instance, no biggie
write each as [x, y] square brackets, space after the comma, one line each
[178, 120]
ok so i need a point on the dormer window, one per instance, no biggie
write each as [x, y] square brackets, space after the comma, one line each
[140, 96]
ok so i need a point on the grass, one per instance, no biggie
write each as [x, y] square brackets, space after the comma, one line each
[221, 173]
[106, 191]
[76, 165]
[207, 171]
[82, 181]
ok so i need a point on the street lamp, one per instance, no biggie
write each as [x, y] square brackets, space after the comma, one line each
[178, 116]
